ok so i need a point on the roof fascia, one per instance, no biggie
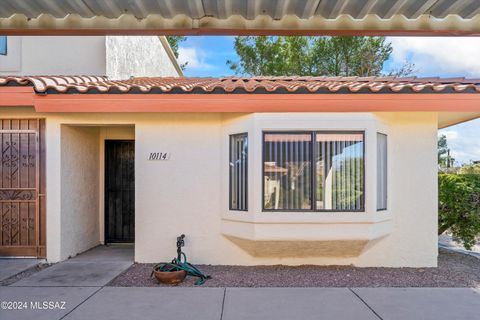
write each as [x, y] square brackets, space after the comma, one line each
[17, 96]
[170, 54]
[374, 102]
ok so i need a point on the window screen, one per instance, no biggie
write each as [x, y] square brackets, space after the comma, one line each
[381, 171]
[238, 172]
[322, 171]
[287, 171]
[339, 171]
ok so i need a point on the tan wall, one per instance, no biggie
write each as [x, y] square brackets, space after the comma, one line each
[188, 193]
[413, 193]
[79, 189]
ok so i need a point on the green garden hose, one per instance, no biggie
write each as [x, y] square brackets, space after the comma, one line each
[178, 265]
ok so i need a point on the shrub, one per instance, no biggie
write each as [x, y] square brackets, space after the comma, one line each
[459, 206]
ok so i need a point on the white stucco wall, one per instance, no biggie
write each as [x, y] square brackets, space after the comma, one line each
[59, 55]
[79, 189]
[187, 193]
[413, 193]
[118, 57]
[137, 56]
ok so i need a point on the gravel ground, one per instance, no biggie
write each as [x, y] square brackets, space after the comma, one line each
[454, 270]
[24, 274]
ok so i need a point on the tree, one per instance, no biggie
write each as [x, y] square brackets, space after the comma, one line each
[174, 42]
[442, 146]
[444, 158]
[459, 206]
[313, 56]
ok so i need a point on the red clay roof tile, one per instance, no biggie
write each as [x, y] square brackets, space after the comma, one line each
[284, 84]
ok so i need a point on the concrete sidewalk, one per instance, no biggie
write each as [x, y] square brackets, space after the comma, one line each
[93, 268]
[12, 266]
[241, 303]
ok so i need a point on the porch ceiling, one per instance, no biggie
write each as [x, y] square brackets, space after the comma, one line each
[320, 17]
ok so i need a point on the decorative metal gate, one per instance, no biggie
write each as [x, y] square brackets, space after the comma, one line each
[22, 187]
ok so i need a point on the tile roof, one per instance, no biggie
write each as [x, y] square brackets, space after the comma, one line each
[287, 84]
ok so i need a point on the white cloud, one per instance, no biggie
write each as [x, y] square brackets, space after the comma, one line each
[463, 141]
[450, 134]
[453, 56]
[195, 58]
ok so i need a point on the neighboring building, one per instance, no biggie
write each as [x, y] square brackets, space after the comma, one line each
[118, 57]
[287, 170]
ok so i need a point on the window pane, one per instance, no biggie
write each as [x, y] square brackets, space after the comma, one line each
[339, 171]
[238, 171]
[287, 171]
[381, 171]
[3, 45]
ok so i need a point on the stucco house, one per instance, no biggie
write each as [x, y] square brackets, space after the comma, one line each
[265, 170]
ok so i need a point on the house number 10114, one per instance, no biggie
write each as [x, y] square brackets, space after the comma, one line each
[159, 156]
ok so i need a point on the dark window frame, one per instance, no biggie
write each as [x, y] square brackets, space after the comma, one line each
[314, 182]
[386, 173]
[230, 137]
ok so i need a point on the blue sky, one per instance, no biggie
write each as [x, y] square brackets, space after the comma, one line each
[434, 56]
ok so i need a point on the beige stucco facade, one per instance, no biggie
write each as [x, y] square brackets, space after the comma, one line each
[188, 193]
[118, 57]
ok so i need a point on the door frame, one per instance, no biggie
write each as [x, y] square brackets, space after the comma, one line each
[105, 191]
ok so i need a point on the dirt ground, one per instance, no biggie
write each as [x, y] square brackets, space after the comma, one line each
[454, 270]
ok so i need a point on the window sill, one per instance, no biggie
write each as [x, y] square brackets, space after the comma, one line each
[322, 237]
[302, 217]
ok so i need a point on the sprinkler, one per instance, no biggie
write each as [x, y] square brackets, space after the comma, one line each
[175, 271]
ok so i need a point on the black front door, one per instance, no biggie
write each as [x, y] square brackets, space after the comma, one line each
[119, 191]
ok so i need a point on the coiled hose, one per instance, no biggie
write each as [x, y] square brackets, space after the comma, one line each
[178, 265]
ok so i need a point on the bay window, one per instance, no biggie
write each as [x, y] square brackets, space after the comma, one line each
[313, 171]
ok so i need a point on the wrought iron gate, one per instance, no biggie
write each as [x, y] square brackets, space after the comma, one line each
[119, 191]
[22, 187]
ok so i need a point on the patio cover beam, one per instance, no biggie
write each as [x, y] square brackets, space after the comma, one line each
[240, 17]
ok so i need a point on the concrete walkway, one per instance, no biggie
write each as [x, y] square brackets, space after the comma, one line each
[241, 303]
[12, 266]
[445, 241]
[75, 289]
[94, 268]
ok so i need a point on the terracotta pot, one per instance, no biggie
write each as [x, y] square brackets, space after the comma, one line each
[173, 277]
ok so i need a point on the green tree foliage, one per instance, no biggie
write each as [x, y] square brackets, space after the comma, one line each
[313, 56]
[174, 42]
[459, 206]
[444, 158]
[442, 147]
